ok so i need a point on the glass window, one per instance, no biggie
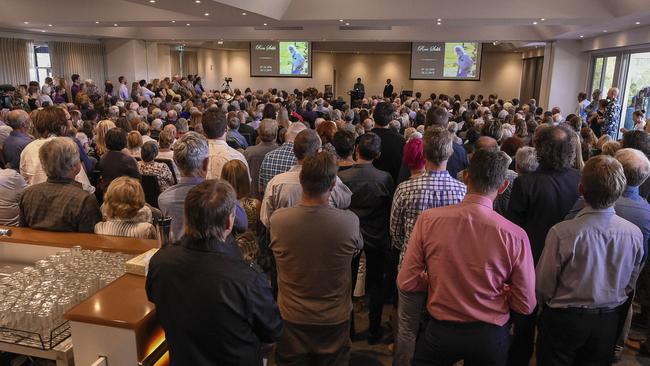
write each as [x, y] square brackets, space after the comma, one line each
[43, 63]
[598, 73]
[610, 67]
[637, 88]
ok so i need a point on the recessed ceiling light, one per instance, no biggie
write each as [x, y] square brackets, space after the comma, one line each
[219, 42]
[534, 23]
[173, 21]
[439, 23]
[206, 14]
[543, 19]
[347, 23]
[638, 23]
[26, 22]
[243, 13]
[49, 25]
[188, 24]
[605, 31]
[96, 22]
[582, 36]
[439, 19]
[197, 1]
[265, 24]
[341, 20]
[115, 25]
[42, 31]
[152, 1]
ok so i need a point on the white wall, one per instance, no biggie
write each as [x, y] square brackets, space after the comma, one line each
[568, 69]
[164, 61]
[120, 56]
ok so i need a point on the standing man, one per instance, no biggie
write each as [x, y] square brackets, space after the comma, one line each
[268, 132]
[358, 86]
[372, 193]
[588, 268]
[612, 116]
[74, 89]
[124, 90]
[297, 61]
[469, 312]
[215, 309]
[388, 89]
[538, 201]
[281, 159]
[314, 270]
[215, 127]
[392, 143]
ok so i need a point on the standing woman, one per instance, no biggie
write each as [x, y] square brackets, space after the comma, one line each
[65, 90]
[135, 91]
[236, 173]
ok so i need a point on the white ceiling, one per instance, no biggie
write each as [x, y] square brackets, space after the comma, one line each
[369, 20]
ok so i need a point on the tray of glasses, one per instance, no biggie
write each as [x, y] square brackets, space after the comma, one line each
[44, 341]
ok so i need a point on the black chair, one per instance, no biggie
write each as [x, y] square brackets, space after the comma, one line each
[151, 189]
[170, 165]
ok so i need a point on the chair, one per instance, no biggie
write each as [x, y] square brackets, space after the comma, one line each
[170, 165]
[151, 189]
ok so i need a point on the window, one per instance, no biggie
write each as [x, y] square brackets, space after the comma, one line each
[636, 94]
[603, 73]
[42, 62]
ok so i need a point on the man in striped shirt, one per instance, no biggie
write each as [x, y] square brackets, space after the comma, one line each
[281, 159]
[436, 188]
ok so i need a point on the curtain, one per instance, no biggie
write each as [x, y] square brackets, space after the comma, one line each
[190, 63]
[531, 78]
[14, 61]
[175, 62]
[85, 59]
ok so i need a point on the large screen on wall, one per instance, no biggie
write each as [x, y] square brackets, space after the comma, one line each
[281, 58]
[446, 60]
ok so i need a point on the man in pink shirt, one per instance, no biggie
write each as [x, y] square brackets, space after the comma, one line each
[477, 268]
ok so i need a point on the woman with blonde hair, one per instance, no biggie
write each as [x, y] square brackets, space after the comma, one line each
[134, 143]
[125, 212]
[100, 136]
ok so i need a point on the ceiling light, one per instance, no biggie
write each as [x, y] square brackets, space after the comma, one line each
[173, 21]
[638, 23]
[347, 23]
[49, 25]
[152, 1]
[219, 42]
[188, 24]
[605, 31]
[197, 1]
[115, 25]
[543, 19]
[26, 22]
[341, 20]
[42, 31]
[243, 13]
[582, 36]
[265, 24]
[96, 22]
[206, 14]
[439, 23]
[534, 23]
[439, 19]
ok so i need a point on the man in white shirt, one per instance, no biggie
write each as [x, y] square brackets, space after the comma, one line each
[214, 125]
[146, 93]
[124, 90]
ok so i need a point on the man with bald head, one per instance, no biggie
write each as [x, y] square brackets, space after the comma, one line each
[19, 122]
[612, 117]
[281, 159]
[268, 133]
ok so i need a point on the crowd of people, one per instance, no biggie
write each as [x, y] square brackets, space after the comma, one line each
[483, 221]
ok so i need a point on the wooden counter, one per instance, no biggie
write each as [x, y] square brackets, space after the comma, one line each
[106, 243]
[122, 304]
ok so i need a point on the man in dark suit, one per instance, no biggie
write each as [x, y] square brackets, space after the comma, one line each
[215, 308]
[388, 89]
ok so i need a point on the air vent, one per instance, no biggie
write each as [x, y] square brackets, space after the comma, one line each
[364, 28]
[279, 28]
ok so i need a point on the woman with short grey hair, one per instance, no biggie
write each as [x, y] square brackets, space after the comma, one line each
[526, 160]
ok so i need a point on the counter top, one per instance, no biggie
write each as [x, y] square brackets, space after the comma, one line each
[121, 304]
[21, 235]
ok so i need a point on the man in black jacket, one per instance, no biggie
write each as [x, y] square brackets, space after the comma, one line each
[392, 143]
[372, 194]
[538, 201]
[388, 89]
[215, 309]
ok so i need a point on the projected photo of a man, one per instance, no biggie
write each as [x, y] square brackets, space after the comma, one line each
[460, 60]
[293, 58]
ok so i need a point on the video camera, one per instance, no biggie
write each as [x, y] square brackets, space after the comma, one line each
[6, 100]
[227, 79]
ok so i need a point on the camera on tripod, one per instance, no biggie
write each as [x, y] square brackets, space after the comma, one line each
[228, 79]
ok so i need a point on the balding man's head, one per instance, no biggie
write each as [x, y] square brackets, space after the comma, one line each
[636, 166]
[17, 119]
[486, 143]
[294, 130]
